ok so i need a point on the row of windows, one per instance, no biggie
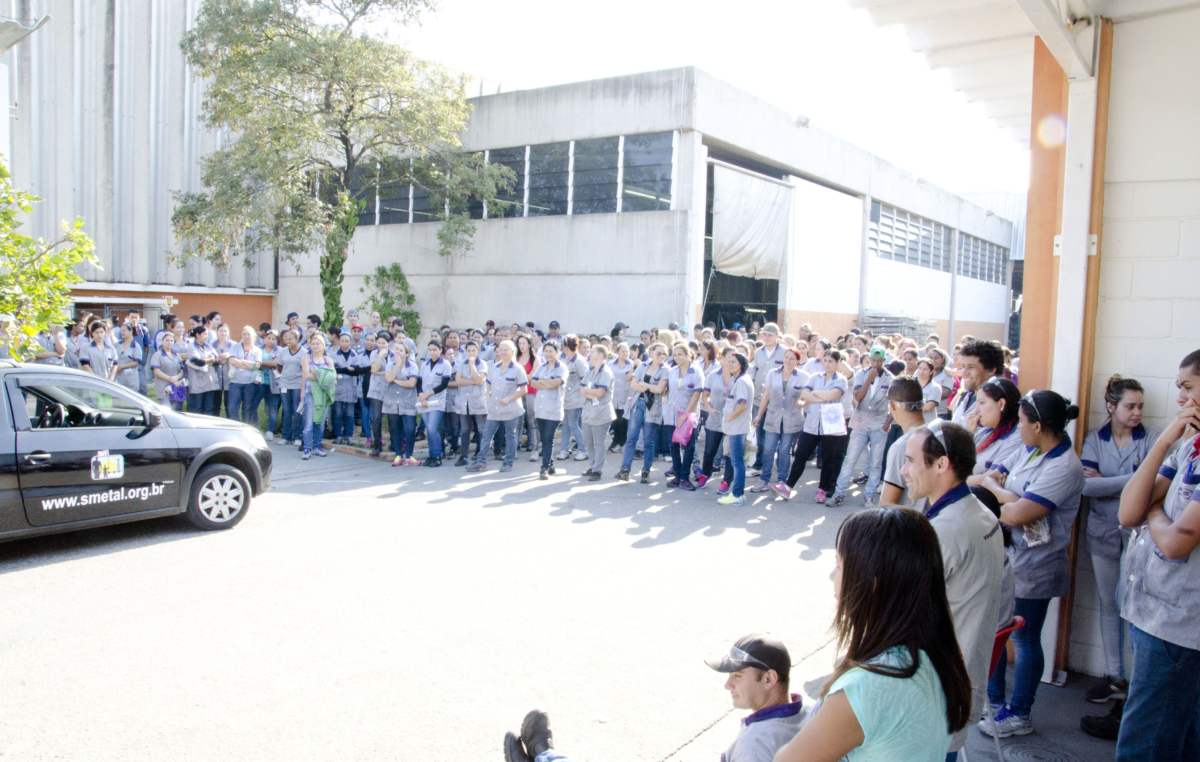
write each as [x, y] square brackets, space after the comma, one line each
[629, 173]
[905, 237]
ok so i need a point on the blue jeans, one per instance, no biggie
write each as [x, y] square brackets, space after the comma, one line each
[510, 428]
[403, 430]
[681, 455]
[1030, 661]
[860, 439]
[546, 429]
[364, 412]
[759, 432]
[293, 414]
[433, 419]
[712, 446]
[1162, 714]
[313, 429]
[777, 453]
[572, 427]
[636, 424]
[343, 419]
[273, 402]
[241, 403]
[735, 464]
[201, 402]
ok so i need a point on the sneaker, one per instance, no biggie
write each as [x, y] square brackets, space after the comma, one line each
[697, 471]
[670, 474]
[754, 472]
[760, 487]
[860, 479]
[460, 462]
[437, 463]
[319, 452]
[870, 502]
[376, 453]
[1106, 727]
[535, 457]
[731, 500]
[543, 475]
[476, 467]
[581, 456]
[505, 467]
[622, 475]
[686, 485]
[723, 489]
[411, 461]
[561, 456]
[1006, 724]
[820, 496]
[638, 454]
[781, 489]
[399, 461]
[701, 481]
[594, 476]
[645, 477]
[1111, 688]
[270, 436]
[368, 443]
[306, 455]
[552, 471]
[837, 499]
[673, 483]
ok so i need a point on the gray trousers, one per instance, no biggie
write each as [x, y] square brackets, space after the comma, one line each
[593, 440]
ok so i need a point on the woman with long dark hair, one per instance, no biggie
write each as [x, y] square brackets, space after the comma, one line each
[528, 361]
[622, 368]
[202, 379]
[824, 425]
[738, 389]
[1038, 487]
[993, 423]
[901, 689]
[644, 410]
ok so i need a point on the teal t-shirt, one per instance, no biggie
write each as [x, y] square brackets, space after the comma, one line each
[900, 718]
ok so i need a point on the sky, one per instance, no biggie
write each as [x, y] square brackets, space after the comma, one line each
[817, 58]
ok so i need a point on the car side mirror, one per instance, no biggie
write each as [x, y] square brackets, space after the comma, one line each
[153, 419]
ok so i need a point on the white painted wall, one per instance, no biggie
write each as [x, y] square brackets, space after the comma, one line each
[901, 288]
[980, 301]
[1149, 313]
[826, 250]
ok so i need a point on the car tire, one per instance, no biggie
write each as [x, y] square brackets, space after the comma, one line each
[219, 498]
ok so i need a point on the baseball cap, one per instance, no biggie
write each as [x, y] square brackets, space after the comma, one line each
[356, 327]
[529, 324]
[771, 328]
[554, 324]
[761, 651]
[293, 315]
[673, 327]
[620, 326]
[877, 353]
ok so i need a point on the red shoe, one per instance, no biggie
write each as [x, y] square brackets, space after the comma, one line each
[701, 481]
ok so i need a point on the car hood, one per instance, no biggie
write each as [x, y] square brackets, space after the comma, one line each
[177, 420]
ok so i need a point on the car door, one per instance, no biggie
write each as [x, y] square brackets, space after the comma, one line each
[99, 460]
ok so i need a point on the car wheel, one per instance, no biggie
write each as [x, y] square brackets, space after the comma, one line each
[220, 497]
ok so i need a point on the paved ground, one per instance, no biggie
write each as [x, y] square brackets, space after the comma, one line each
[365, 612]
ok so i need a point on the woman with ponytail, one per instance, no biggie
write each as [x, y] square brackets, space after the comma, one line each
[738, 387]
[1038, 488]
[993, 423]
[1111, 454]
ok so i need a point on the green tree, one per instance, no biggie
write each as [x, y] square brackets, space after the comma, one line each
[35, 275]
[320, 111]
[388, 294]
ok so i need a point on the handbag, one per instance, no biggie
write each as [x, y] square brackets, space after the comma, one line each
[684, 429]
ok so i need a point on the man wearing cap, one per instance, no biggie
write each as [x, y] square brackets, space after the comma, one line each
[758, 667]
[293, 323]
[766, 358]
[553, 333]
[868, 427]
[938, 458]
[619, 331]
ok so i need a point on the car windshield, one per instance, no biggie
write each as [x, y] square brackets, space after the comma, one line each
[67, 403]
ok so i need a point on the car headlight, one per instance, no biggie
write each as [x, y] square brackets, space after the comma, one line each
[256, 438]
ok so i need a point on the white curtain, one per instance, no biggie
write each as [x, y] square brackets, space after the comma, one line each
[750, 224]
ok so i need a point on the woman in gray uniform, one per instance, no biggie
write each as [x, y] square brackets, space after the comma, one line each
[167, 366]
[291, 385]
[598, 413]
[644, 409]
[129, 359]
[94, 355]
[1038, 488]
[400, 404]
[201, 371]
[573, 401]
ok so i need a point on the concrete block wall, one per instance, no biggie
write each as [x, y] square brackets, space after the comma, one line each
[1149, 308]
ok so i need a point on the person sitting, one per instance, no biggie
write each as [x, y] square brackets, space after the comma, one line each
[758, 666]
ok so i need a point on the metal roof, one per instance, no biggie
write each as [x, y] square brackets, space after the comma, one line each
[987, 45]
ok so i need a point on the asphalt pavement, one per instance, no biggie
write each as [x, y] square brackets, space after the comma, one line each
[365, 612]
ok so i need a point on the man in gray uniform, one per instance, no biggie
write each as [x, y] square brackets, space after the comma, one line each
[766, 358]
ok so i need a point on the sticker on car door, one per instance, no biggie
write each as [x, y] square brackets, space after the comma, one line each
[105, 466]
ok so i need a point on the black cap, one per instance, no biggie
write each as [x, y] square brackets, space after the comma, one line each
[292, 315]
[619, 326]
[673, 327]
[761, 651]
[554, 324]
[529, 324]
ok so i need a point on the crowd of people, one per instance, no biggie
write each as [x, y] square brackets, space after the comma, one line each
[982, 483]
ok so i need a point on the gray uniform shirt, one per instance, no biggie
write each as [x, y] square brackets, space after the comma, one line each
[548, 403]
[680, 388]
[576, 370]
[600, 411]
[654, 402]
[289, 374]
[1105, 536]
[242, 375]
[1053, 479]
[397, 399]
[432, 374]
[782, 415]
[741, 389]
[471, 398]
[765, 362]
[819, 383]
[201, 379]
[895, 462]
[714, 384]
[169, 364]
[97, 359]
[46, 342]
[378, 384]
[621, 389]
[224, 369]
[998, 452]
[128, 378]
[1162, 597]
[871, 411]
[347, 385]
[765, 732]
[504, 381]
[943, 380]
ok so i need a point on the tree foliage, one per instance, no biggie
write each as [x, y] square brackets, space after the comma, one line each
[388, 294]
[35, 275]
[317, 108]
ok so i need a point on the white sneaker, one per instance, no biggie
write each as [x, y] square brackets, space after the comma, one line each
[753, 472]
[581, 456]
[534, 457]
[1006, 724]
[270, 436]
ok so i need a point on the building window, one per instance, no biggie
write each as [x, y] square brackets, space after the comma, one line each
[394, 200]
[421, 210]
[358, 181]
[549, 178]
[595, 176]
[904, 237]
[514, 159]
[646, 177]
[981, 260]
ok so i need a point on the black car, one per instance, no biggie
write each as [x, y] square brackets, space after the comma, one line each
[77, 451]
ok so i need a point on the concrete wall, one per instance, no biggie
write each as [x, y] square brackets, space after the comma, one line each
[1149, 314]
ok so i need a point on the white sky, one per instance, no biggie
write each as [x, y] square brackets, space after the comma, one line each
[813, 57]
